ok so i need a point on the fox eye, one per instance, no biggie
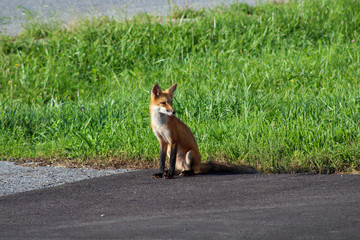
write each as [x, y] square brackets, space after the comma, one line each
[162, 102]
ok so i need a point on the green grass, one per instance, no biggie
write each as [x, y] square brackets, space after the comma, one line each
[276, 87]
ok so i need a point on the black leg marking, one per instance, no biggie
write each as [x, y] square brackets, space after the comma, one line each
[163, 149]
[172, 161]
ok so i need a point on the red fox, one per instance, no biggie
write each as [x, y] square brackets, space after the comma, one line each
[178, 142]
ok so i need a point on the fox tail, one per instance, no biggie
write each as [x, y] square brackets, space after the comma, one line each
[221, 167]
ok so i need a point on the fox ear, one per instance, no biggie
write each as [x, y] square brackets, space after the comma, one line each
[156, 91]
[172, 89]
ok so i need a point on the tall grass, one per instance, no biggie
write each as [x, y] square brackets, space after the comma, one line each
[271, 86]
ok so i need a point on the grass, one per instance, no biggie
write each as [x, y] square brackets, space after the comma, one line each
[275, 86]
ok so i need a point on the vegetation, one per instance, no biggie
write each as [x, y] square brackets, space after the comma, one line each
[273, 86]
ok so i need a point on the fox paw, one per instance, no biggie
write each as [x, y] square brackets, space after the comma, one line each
[165, 175]
[157, 175]
[168, 175]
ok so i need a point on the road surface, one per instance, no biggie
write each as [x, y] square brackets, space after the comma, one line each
[135, 206]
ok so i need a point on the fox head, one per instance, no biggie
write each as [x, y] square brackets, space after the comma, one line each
[162, 101]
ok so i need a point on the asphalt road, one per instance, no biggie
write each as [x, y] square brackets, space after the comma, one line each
[135, 206]
[14, 12]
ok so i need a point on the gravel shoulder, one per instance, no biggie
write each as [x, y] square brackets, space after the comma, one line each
[17, 178]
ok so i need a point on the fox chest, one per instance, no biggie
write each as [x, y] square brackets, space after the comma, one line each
[163, 134]
[160, 128]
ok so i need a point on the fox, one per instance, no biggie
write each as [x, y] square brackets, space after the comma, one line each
[177, 141]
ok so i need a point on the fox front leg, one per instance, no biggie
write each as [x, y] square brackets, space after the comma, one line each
[173, 153]
[163, 148]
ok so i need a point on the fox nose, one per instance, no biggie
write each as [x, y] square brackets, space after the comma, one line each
[172, 112]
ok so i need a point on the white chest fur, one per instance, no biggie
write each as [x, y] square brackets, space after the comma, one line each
[159, 125]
